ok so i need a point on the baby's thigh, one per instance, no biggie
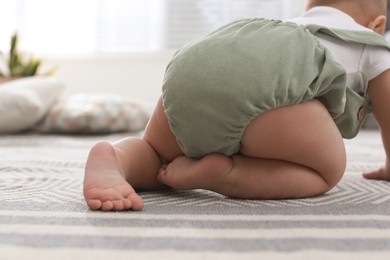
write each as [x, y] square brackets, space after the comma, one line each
[304, 134]
[159, 135]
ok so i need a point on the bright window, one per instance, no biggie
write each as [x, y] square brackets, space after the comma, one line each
[80, 26]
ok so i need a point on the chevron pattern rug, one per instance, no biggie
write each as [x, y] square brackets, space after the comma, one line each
[43, 214]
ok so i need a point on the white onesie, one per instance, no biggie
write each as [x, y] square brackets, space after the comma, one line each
[362, 62]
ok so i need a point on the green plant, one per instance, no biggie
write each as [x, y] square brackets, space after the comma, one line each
[18, 65]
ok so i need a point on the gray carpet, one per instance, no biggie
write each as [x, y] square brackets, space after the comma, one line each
[43, 214]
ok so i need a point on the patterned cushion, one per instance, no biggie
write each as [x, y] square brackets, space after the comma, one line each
[96, 114]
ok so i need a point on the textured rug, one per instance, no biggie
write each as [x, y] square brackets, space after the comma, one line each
[43, 214]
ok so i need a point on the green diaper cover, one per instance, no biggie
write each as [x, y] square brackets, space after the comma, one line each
[216, 85]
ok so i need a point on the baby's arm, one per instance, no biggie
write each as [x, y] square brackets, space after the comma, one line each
[379, 96]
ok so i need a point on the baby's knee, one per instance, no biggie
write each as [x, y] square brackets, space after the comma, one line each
[333, 175]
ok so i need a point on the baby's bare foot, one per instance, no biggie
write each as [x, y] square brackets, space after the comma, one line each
[185, 173]
[104, 186]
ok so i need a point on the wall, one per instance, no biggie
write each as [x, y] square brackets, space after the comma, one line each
[136, 75]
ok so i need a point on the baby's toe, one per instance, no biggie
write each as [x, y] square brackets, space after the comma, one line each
[126, 203]
[136, 201]
[107, 205]
[94, 204]
[118, 205]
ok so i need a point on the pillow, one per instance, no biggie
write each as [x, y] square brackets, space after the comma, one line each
[96, 114]
[24, 102]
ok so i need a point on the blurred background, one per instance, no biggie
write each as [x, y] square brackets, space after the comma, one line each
[64, 27]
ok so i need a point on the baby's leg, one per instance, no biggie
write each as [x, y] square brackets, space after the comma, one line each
[187, 173]
[290, 152]
[113, 171]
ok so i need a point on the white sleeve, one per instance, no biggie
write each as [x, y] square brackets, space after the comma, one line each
[375, 60]
[387, 36]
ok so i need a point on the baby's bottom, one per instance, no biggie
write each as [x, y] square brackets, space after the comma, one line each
[290, 152]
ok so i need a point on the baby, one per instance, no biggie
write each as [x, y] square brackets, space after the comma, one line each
[257, 110]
